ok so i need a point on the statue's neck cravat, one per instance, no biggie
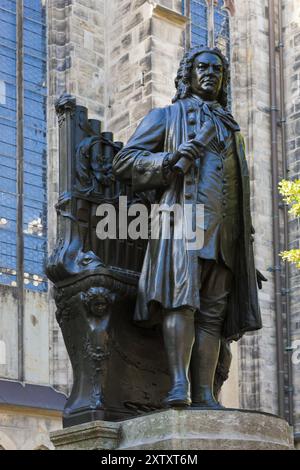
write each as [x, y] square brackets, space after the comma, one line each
[221, 117]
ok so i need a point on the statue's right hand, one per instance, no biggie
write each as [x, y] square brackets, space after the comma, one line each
[191, 149]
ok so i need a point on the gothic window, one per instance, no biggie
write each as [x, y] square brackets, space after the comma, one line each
[199, 22]
[221, 28]
[201, 25]
[35, 144]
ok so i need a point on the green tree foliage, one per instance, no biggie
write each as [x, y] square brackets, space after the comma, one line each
[290, 190]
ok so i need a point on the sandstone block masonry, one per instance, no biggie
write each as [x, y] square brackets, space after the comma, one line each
[144, 46]
[291, 18]
[251, 107]
[76, 50]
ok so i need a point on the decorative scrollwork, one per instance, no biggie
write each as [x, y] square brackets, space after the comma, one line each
[91, 172]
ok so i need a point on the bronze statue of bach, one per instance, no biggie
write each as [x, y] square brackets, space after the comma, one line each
[206, 295]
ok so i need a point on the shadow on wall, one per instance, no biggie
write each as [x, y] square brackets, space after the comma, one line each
[6, 443]
[2, 353]
[41, 442]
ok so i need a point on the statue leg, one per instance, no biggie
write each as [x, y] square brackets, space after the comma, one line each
[223, 367]
[203, 367]
[179, 334]
[215, 285]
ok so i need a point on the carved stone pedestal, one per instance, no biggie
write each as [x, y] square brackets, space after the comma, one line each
[181, 430]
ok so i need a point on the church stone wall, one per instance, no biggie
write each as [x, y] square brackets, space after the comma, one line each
[291, 39]
[251, 107]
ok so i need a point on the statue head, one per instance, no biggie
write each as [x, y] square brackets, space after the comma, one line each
[203, 71]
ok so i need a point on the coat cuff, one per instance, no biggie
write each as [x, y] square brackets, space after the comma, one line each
[148, 171]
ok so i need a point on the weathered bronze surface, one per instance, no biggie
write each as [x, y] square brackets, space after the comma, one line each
[119, 369]
[137, 349]
[205, 295]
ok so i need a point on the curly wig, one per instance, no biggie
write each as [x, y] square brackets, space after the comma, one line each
[184, 74]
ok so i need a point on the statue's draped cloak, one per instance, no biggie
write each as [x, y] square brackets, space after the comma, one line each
[170, 277]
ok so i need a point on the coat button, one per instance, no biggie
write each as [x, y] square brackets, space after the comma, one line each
[191, 135]
[189, 182]
[219, 167]
[140, 170]
[192, 121]
[191, 109]
[188, 196]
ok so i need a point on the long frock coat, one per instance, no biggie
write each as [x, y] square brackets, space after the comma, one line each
[169, 277]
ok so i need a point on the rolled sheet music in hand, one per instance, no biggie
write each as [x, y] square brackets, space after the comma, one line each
[206, 134]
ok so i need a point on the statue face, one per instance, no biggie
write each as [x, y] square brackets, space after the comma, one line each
[207, 76]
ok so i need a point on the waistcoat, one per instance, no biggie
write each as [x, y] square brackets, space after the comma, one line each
[219, 189]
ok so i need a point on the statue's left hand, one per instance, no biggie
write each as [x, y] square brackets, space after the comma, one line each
[260, 279]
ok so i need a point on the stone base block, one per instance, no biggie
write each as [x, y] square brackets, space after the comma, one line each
[181, 430]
